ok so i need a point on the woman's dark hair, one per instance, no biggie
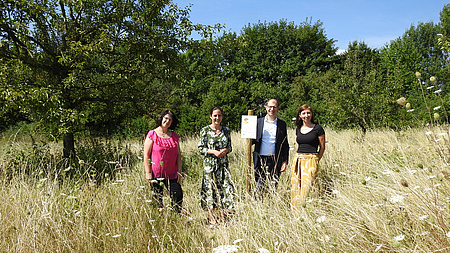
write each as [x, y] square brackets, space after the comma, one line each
[215, 108]
[174, 123]
[299, 121]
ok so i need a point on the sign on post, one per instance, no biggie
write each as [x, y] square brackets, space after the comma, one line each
[248, 131]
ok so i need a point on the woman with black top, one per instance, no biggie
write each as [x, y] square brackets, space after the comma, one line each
[311, 145]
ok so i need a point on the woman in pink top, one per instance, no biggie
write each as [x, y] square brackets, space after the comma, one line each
[162, 160]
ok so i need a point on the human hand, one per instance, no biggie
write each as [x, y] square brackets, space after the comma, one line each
[283, 167]
[149, 176]
[179, 177]
[222, 152]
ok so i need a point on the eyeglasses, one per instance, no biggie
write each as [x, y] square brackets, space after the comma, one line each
[271, 107]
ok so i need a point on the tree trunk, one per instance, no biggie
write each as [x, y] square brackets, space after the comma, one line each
[69, 146]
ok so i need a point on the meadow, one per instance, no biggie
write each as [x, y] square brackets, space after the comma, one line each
[387, 191]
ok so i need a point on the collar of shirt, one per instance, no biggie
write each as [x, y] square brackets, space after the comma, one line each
[272, 122]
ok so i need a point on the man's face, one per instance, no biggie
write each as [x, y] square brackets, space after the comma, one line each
[272, 108]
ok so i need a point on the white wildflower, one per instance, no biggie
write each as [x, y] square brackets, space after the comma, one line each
[387, 172]
[431, 177]
[367, 178]
[325, 238]
[380, 204]
[411, 110]
[237, 241]
[436, 185]
[436, 108]
[336, 165]
[378, 247]
[427, 190]
[115, 236]
[442, 134]
[336, 192]
[423, 217]
[263, 250]
[401, 101]
[44, 179]
[399, 237]
[321, 219]
[430, 87]
[342, 173]
[226, 248]
[448, 234]
[438, 91]
[396, 198]
[429, 133]
[412, 172]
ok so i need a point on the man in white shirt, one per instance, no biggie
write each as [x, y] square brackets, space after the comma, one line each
[271, 152]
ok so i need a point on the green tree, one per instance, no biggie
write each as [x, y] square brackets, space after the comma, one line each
[275, 53]
[94, 62]
[417, 50]
[358, 96]
[259, 63]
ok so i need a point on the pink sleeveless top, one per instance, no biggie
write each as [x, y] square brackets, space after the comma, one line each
[164, 155]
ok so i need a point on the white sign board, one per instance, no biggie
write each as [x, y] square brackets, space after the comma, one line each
[248, 126]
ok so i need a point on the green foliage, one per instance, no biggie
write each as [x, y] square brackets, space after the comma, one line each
[359, 97]
[96, 62]
[96, 161]
[241, 72]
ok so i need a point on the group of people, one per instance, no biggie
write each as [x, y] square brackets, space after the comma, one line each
[162, 159]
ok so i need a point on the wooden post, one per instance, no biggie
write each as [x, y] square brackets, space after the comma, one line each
[248, 171]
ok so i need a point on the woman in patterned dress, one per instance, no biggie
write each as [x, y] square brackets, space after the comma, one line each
[310, 137]
[162, 160]
[217, 193]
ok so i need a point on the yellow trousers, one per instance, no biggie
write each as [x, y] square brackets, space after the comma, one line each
[304, 170]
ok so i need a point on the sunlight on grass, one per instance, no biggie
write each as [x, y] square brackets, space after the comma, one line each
[386, 191]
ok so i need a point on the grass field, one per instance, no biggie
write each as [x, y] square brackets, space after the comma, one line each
[385, 192]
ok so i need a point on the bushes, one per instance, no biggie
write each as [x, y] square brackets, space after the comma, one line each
[95, 161]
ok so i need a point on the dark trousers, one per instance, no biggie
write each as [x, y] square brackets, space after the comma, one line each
[175, 192]
[265, 170]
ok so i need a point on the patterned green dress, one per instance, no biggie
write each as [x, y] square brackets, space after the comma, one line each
[217, 187]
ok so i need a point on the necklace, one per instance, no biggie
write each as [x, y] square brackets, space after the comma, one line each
[163, 134]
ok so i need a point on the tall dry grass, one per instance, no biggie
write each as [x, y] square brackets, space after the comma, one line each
[384, 192]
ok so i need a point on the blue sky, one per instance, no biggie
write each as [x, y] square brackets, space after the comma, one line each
[374, 22]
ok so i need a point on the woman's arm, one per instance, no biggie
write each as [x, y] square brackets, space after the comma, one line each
[321, 145]
[179, 164]
[203, 147]
[148, 145]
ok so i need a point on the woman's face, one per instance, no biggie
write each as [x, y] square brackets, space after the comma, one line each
[166, 121]
[306, 115]
[216, 117]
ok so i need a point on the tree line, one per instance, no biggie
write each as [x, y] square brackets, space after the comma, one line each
[102, 67]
